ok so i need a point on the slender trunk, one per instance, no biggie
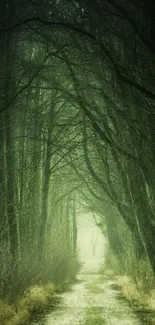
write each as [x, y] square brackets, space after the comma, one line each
[8, 89]
[74, 227]
[10, 190]
[45, 190]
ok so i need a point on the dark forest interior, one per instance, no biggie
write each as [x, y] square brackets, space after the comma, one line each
[77, 135]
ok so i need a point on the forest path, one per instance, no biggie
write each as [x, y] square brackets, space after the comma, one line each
[91, 302]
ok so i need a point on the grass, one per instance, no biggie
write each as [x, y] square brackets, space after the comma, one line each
[93, 287]
[35, 299]
[93, 316]
[136, 281]
[21, 306]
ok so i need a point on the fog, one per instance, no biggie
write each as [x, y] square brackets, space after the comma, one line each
[90, 243]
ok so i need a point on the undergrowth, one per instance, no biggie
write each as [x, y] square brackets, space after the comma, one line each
[135, 279]
[34, 299]
[37, 297]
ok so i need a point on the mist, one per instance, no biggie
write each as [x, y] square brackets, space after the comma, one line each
[91, 244]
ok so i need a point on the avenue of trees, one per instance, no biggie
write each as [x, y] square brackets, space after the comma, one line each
[77, 125]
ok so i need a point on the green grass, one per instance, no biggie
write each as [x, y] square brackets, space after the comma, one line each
[93, 287]
[94, 316]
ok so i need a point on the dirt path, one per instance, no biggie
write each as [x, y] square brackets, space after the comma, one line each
[91, 303]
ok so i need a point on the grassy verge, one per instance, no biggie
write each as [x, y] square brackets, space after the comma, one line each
[136, 282]
[20, 306]
[141, 300]
[34, 299]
